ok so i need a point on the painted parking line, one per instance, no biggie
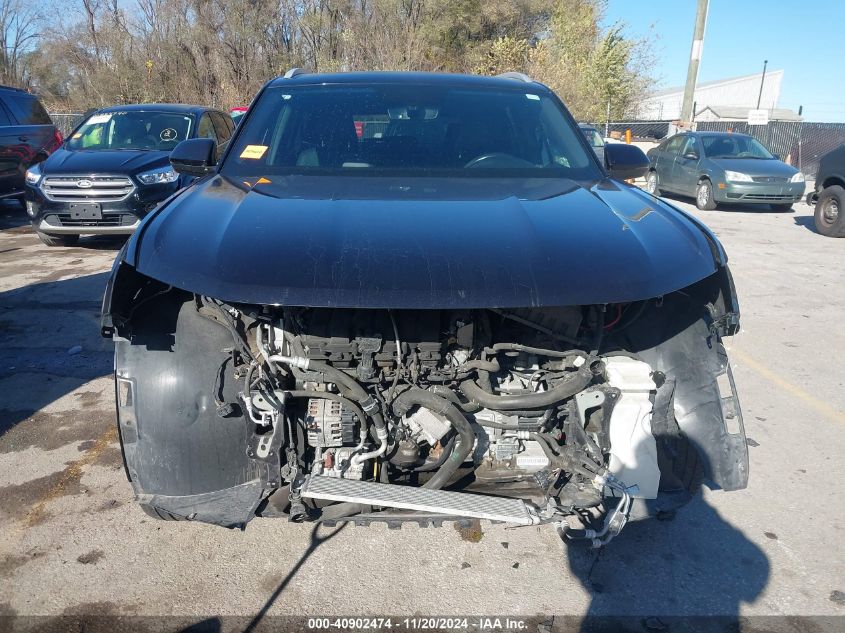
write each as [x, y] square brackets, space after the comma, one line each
[820, 406]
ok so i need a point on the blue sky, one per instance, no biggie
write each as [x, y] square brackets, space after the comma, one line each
[802, 38]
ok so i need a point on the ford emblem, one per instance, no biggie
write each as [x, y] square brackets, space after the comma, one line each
[84, 183]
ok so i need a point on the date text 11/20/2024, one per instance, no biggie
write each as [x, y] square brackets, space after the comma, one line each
[418, 624]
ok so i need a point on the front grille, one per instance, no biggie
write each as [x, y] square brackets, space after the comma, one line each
[769, 179]
[102, 189]
[763, 197]
[109, 219]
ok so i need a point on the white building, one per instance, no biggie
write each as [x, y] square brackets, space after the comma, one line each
[734, 113]
[735, 92]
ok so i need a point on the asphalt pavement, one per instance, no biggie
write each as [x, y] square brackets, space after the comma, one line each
[73, 542]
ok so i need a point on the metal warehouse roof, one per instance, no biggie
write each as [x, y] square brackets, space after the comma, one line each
[741, 113]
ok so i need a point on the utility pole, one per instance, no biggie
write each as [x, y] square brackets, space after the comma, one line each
[762, 81]
[694, 58]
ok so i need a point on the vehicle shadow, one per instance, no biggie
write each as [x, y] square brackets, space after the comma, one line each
[259, 622]
[50, 344]
[316, 541]
[807, 221]
[691, 573]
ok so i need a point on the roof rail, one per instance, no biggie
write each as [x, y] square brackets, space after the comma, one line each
[517, 76]
[293, 72]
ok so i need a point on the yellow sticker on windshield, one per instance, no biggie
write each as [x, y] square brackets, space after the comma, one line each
[253, 151]
[77, 135]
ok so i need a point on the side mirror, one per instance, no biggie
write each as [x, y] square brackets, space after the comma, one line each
[625, 161]
[195, 157]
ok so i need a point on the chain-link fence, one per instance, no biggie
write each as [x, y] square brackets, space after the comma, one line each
[799, 143]
[816, 140]
[640, 130]
[65, 122]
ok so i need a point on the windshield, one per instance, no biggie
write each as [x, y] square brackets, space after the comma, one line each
[734, 147]
[136, 130]
[593, 137]
[419, 130]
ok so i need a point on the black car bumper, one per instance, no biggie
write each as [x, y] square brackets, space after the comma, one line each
[92, 216]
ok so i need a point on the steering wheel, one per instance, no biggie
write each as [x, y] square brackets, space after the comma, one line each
[498, 159]
[147, 142]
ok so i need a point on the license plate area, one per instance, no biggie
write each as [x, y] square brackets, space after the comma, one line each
[85, 211]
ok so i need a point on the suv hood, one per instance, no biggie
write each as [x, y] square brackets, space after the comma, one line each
[101, 161]
[420, 243]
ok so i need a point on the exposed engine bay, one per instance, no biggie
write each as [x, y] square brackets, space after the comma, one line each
[504, 401]
[589, 414]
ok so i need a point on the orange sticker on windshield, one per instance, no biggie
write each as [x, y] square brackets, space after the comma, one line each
[253, 151]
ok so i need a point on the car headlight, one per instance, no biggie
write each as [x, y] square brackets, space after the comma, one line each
[736, 176]
[797, 177]
[33, 175]
[158, 176]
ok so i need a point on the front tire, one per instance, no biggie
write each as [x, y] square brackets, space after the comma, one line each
[704, 196]
[830, 212]
[57, 240]
[652, 183]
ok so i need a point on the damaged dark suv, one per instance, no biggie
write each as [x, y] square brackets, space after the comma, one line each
[420, 297]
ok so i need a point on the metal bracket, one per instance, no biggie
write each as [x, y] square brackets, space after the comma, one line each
[588, 400]
[264, 446]
[725, 325]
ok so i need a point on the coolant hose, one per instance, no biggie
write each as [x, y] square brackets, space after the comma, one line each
[564, 462]
[517, 347]
[466, 437]
[484, 365]
[573, 383]
[574, 533]
[445, 392]
[356, 392]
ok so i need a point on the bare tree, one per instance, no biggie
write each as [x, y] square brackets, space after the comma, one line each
[220, 52]
[18, 37]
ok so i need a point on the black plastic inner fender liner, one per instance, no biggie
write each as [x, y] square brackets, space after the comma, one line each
[181, 456]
